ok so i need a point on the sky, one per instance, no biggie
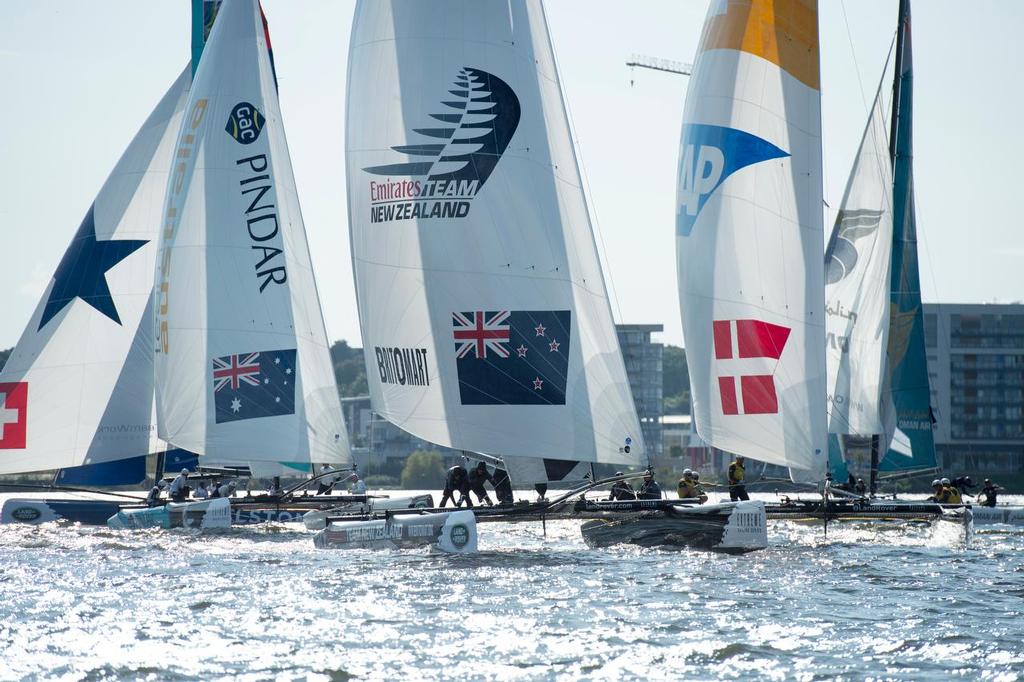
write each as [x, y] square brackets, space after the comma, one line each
[80, 78]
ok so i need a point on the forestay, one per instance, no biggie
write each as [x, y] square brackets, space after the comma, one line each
[78, 387]
[749, 229]
[484, 314]
[243, 369]
[857, 286]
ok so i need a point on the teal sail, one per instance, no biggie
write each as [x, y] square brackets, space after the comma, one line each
[910, 416]
[836, 463]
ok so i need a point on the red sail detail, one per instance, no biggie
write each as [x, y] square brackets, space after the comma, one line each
[727, 387]
[759, 394]
[757, 339]
[723, 339]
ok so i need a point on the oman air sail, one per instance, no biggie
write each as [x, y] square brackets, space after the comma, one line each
[484, 314]
[78, 387]
[749, 230]
[242, 364]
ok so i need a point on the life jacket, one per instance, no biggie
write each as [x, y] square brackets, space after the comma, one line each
[686, 489]
[951, 495]
[736, 473]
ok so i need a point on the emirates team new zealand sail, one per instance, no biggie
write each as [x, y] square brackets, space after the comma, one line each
[485, 319]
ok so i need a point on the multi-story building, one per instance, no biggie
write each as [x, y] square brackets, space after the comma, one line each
[643, 360]
[976, 371]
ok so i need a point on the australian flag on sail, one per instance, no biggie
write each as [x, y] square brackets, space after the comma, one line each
[254, 385]
[512, 357]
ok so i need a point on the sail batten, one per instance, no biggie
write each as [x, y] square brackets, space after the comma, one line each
[749, 229]
[485, 319]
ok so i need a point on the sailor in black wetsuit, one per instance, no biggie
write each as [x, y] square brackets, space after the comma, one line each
[457, 479]
[502, 487]
[990, 491]
[860, 487]
[622, 490]
[479, 475]
[650, 490]
[964, 484]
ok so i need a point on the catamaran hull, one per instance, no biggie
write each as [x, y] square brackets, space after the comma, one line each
[36, 511]
[451, 532]
[317, 519]
[734, 527]
[204, 514]
[1013, 516]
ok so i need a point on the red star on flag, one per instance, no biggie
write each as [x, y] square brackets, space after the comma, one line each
[553, 346]
[521, 351]
[539, 329]
[537, 384]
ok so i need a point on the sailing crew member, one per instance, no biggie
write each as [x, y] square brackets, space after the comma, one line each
[860, 487]
[215, 489]
[942, 493]
[702, 494]
[456, 480]
[737, 491]
[964, 484]
[952, 494]
[201, 492]
[622, 490]
[477, 477]
[179, 487]
[990, 491]
[502, 487]
[227, 489]
[650, 490]
[153, 499]
[275, 486]
[685, 489]
[358, 484]
[327, 482]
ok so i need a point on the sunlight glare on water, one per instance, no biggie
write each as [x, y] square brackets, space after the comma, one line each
[867, 600]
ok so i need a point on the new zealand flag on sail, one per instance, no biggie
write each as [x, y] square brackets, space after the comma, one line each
[512, 357]
[254, 385]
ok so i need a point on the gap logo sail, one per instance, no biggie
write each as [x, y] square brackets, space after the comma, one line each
[254, 385]
[453, 156]
[709, 155]
[512, 357]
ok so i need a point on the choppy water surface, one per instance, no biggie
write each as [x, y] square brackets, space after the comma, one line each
[901, 602]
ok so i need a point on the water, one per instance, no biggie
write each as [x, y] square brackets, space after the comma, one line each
[868, 601]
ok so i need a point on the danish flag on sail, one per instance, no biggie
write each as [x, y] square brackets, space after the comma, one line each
[752, 339]
[13, 415]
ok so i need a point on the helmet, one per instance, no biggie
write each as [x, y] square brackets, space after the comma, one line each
[184, 472]
[481, 465]
[936, 482]
[945, 481]
[696, 476]
[740, 458]
[161, 484]
[687, 472]
[648, 475]
[618, 473]
[988, 480]
[860, 480]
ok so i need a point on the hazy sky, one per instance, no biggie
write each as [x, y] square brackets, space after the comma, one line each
[79, 78]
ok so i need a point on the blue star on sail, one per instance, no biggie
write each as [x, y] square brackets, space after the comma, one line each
[82, 272]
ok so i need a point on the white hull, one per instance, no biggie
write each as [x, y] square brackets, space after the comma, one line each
[1000, 514]
[317, 519]
[203, 514]
[451, 532]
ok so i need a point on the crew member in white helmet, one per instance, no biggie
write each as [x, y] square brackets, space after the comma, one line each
[179, 487]
[358, 484]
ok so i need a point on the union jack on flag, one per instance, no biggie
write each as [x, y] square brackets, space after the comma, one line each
[234, 369]
[480, 331]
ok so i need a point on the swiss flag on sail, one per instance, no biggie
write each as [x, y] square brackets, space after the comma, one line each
[13, 415]
[745, 339]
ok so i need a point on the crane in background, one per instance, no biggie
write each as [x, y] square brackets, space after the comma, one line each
[658, 64]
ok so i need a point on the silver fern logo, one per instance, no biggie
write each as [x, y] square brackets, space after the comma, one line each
[841, 255]
[453, 157]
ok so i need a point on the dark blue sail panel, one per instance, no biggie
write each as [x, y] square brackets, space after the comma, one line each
[908, 379]
[512, 357]
[177, 459]
[120, 472]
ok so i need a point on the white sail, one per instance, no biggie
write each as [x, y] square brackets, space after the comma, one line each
[484, 314]
[243, 368]
[857, 264]
[78, 387]
[749, 228]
